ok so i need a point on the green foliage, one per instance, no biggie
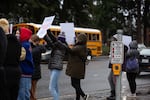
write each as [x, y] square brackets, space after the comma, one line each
[105, 50]
[106, 15]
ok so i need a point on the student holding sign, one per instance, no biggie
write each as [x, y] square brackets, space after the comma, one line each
[59, 49]
[76, 65]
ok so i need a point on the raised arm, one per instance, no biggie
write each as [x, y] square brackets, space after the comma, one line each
[48, 40]
[51, 36]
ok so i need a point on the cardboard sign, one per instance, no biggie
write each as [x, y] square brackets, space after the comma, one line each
[45, 25]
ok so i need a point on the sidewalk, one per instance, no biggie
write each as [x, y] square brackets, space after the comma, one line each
[142, 94]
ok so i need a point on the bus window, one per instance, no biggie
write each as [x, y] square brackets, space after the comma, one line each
[94, 37]
[90, 38]
[97, 36]
[57, 33]
[87, 36]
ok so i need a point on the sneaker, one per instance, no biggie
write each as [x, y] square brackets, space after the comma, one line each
[131, 95]
[86, 97]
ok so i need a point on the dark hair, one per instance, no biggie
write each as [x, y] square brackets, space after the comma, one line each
[35, 38]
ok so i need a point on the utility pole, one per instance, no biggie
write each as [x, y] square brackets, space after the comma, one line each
[117, 55]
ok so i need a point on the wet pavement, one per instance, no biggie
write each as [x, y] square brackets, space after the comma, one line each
[142, 94]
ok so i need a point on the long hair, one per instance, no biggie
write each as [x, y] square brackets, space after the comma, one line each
[4, 24]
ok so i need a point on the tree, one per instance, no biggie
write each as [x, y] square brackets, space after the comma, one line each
[76, 11]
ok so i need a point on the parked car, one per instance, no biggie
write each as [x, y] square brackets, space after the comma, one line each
[144, 60]
[141, 46]
[45, 56]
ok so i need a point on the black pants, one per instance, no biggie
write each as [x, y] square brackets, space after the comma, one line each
[12, 90]
[76, 84]
[112, 82]
[132, 83]
[3, 92]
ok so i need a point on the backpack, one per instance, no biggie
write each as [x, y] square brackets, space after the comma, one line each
[132, 64]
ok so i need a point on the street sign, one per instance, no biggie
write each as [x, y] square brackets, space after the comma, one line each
[116, 49]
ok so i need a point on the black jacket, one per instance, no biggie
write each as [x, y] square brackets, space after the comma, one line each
[36, 54]
[3, 46]
[59, 50]
[57, 55]
[3, 49]
[11, 63]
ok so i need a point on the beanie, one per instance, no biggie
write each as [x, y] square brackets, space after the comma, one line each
[62, 37]
[25, 34]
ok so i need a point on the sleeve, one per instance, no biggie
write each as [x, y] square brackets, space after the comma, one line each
[48, 40]
[52, 37]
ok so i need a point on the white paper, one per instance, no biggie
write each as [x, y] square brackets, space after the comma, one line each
[68, 28]
[45, 25]
[125, 39]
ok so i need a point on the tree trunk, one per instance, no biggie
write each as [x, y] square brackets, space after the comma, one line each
[139, 35]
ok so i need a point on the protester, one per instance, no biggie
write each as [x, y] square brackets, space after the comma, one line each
[36, 53]
[59, 48]
[26, 65]
[76, 65]
[3, 49]
[112, 77]
[131, 75]
[11, 63]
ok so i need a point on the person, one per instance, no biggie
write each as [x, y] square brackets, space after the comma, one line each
[131, 75]
[36, 53]
[112, 77]
[3, 49]
[76, 65]
[26, 65]
[11, 63]
[59, 49]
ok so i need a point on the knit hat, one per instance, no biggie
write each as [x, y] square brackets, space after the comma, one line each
[62, 37]
[25, 34]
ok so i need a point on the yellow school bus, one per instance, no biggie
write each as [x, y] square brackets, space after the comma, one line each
[94, 36]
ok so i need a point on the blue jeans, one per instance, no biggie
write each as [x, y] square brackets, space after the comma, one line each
[24, 89]
[53, 86]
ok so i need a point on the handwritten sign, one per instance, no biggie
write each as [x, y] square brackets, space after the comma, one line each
[45, 25]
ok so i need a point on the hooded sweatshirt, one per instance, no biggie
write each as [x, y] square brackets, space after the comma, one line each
[77, 54]
[133, 53]
[27, 64]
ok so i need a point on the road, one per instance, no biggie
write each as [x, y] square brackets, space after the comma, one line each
[95, 80]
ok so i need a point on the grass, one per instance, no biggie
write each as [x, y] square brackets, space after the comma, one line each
[105, 50]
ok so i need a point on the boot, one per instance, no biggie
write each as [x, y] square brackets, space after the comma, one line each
[112, 96]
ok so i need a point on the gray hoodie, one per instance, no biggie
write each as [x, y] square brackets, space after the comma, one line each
[133, 52]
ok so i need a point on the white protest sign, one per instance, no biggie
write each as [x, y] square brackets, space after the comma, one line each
[45, 25]
[68, 28]
[125, 39]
